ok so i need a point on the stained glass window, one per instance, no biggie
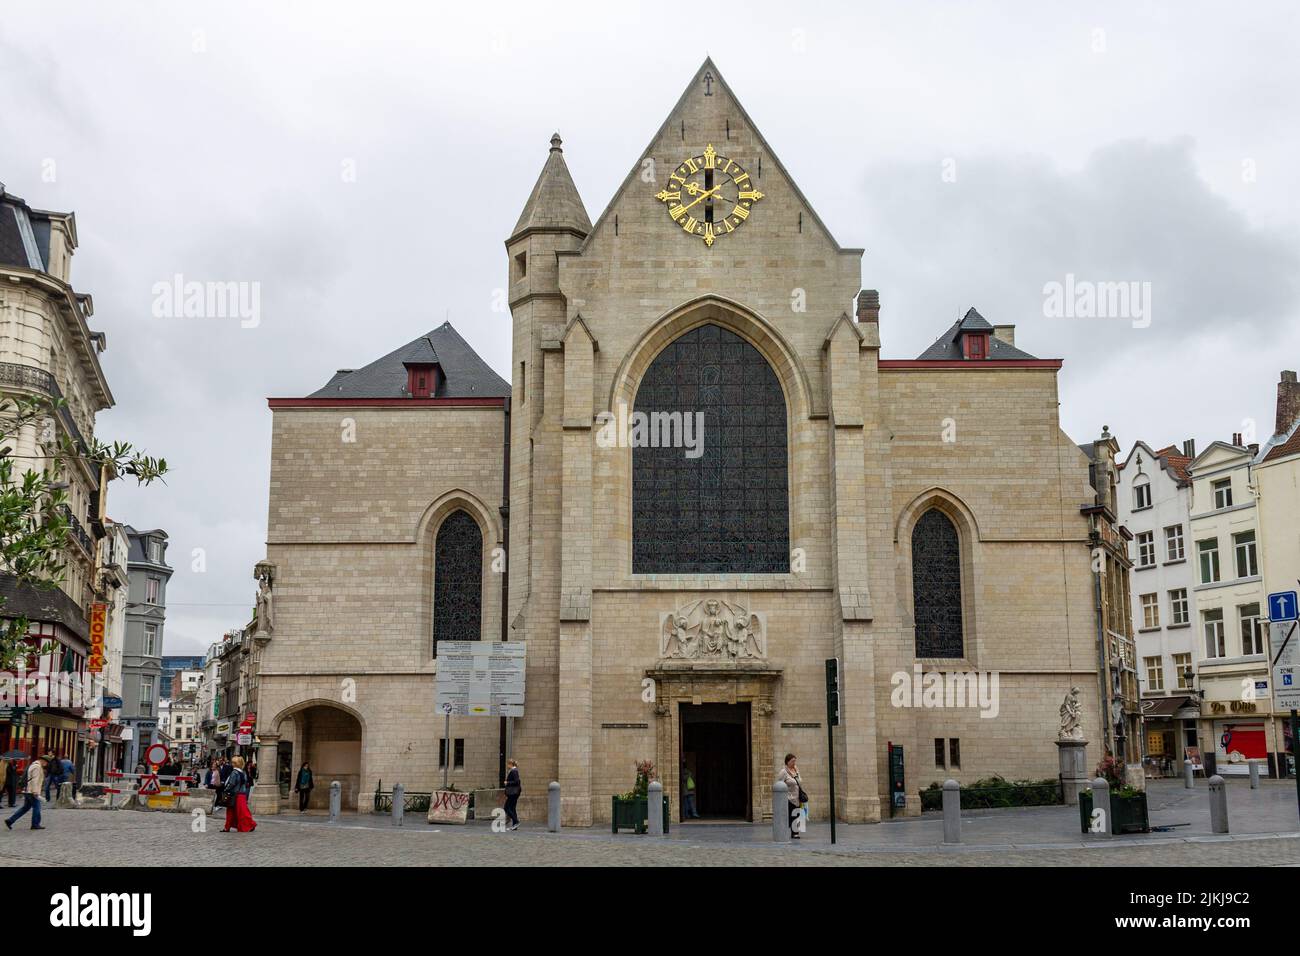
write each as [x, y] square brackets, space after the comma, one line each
[936, 586]
[725, 511]
[457, 580]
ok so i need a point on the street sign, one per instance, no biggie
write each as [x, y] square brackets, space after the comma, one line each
[481, 678]
[1284, 652]
[155, 754]
[112, 703]
[1283, 606]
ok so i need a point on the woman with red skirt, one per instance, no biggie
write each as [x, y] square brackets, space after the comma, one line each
[236, 790]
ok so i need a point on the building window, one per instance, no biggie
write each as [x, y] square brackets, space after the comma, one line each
[1214, 643]
[1174, 543]
[1222, 493]
[1243, 546]
[457, 580]
[1142, 496]
[1146, 545]
[1209, 555]
[152, 588]
[1252, 629]
[1150, 610]
[1183, 668]
[1155, 673]
[457, 753]
[150, 648]
[938, 753]
[155, 551]
[954, 753]
[726, 510]
[146, 696]
[936, 586]
[1178, 611]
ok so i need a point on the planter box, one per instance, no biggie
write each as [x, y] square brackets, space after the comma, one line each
[632, 813]
[448, 806]
[1129, 813]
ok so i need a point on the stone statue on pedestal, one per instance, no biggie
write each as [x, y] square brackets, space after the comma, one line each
[264, 573]
[1071, 717]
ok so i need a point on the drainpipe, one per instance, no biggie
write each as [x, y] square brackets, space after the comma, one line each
[505, 575]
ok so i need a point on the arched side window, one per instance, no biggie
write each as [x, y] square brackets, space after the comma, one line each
[936, 586]
[457, 580]
[721, 507]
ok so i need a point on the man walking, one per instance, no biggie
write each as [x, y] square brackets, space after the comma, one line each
[32, 793]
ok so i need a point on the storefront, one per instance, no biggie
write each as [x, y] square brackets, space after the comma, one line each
[1238, 731]
[1170, 724]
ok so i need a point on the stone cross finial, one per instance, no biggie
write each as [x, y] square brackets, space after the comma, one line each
[556, 143]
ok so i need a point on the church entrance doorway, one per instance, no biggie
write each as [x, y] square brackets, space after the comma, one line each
[715, 746]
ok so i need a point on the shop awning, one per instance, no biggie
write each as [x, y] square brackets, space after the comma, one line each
[1165, 707]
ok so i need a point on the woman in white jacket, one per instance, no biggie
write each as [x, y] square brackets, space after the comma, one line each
[789, 775]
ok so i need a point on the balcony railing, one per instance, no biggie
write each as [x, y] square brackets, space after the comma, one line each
[39, 380]
[77, 532]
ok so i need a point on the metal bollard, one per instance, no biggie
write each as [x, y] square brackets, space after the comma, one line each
[399, 801]
[951, 811]
[780, 812]
[336, 801]
[1218, 805]
[1101, 801]
[1189, 775]
[655, 808]
[553, 806]
[1254, 774]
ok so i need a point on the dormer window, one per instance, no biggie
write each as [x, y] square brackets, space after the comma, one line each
[422, 380]
[975, 345]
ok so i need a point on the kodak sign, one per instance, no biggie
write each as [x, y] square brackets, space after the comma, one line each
[98, 631]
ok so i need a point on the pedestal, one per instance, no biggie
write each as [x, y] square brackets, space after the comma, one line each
[1073, 757]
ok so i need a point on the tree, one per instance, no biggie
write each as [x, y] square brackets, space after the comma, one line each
[34, 514]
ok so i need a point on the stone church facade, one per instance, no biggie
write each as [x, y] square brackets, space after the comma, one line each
[680, 580]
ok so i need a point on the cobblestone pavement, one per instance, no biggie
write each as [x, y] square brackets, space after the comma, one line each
[127, 838]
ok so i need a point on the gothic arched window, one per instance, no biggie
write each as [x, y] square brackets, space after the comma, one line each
[457, 580]
[721, 508]
[936, 586]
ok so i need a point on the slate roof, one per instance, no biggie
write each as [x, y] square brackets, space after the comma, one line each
[947, 346]
[554, 202]
[18, 239]
[464, 374]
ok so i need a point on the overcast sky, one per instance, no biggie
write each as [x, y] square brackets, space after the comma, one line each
[364, 162]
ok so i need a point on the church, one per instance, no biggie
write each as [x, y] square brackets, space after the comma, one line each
[699, 483]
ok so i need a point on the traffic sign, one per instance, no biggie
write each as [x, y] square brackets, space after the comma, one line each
[1283, 606]
[149, 783]
[1284, 652]
[156, 754]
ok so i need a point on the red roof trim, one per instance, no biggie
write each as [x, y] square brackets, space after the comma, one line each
[487, 401]
[974, 364]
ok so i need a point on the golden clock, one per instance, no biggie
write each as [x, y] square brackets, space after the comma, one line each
[709, 196]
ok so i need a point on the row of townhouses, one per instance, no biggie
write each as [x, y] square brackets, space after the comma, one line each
[103, 623]
[1213, 534]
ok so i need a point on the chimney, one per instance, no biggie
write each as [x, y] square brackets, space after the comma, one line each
[1189, 448]
[1005, 333]
[1288, 403]
[869, 306]
[1236, 439]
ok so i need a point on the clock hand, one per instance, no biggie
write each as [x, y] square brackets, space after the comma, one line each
[703, 196]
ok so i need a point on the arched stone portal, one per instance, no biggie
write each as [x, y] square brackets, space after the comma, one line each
[329, 737]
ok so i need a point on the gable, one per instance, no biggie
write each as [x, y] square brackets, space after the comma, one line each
[708, 115]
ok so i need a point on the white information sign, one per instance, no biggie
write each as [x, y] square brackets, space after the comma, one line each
[1284, 652]
[480, 678]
